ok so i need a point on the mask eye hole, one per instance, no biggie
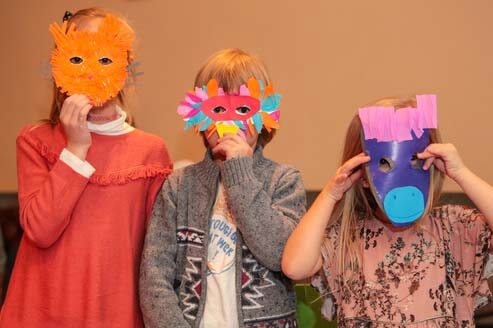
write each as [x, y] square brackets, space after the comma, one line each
[243, 110]
[416, 163]
[385, 165]
[76, 60]
[219, 110]
[105, 61]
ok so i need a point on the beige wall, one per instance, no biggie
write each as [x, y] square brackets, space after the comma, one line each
[325, 57]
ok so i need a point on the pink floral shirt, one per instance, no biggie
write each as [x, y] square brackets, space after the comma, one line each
[429, 277]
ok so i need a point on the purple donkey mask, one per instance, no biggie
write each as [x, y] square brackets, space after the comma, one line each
[392, 138]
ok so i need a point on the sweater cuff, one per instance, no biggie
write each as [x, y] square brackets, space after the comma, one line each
[82, 167]
[237, 170]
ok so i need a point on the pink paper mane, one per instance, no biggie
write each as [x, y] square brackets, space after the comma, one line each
[387, 124]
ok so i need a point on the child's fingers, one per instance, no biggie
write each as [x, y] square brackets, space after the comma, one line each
[74, 112]
[223, 147]
[439, 164]
[433, 150]
[354, 162]
[428, 162]
[218, 149]
[362, 154]
[71, 105]
[356, 175]
[340, 179]
[83, 113]
[85, 99]
[425, 154]
[67, 106]
[227, 143]
[352, 178]
[231, 137]
[343, 178]
[82, 105]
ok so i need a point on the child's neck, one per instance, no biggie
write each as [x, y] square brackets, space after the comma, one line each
[103, 114]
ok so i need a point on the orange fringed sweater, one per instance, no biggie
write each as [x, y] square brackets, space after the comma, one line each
[78, 262]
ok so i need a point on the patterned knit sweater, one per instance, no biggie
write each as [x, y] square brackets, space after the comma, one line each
[266, 200]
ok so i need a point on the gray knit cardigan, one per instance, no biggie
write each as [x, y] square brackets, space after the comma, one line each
[266, 199]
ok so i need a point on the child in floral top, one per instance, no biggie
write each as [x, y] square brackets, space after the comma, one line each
[376, 268]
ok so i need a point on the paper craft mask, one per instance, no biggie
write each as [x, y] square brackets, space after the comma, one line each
[210, 109]
[91, 63]
[392, 138]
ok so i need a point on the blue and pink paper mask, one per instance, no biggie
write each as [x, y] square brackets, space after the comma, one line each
[209, 109]
[392, 138]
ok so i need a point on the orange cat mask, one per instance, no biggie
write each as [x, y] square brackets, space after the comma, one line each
[91, 63]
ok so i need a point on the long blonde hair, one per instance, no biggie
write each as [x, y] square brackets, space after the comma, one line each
[358, 202]
[77, 19]
[231, 68]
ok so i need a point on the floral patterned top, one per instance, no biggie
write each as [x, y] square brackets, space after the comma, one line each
[433, 276]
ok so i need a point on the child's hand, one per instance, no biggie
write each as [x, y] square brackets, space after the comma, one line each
[346, 176]
[445, 157]
[231, 146]
[73, 118]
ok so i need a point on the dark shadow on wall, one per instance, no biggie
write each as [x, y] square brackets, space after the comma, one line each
[12, 233]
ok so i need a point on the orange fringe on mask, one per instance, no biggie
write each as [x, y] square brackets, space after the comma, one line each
[91, 63]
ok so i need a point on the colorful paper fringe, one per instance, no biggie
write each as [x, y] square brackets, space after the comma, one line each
[387, 124]
[266, 117]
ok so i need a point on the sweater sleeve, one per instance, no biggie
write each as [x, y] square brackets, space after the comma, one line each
[159, 302]
[164, 161]
[265, 222]
[47, 196]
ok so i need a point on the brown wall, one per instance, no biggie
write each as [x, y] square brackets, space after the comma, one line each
[325, 57]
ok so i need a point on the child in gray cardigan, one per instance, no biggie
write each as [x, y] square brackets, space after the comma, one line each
[212, 254]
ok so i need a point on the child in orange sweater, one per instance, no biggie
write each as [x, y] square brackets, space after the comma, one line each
[87, 182]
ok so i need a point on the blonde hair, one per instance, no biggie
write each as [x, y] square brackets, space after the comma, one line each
[79, 18]
[232, 68]
[358, 202]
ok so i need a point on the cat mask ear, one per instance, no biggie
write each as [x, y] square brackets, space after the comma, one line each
[109, 30]
[60, 33]
[112, 30]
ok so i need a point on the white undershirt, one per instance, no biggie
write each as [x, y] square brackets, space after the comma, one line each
[220, 303]
[112, 128]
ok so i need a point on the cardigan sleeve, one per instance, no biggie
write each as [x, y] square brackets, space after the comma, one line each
[265, 222]
[159, 302]
[47, 196]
